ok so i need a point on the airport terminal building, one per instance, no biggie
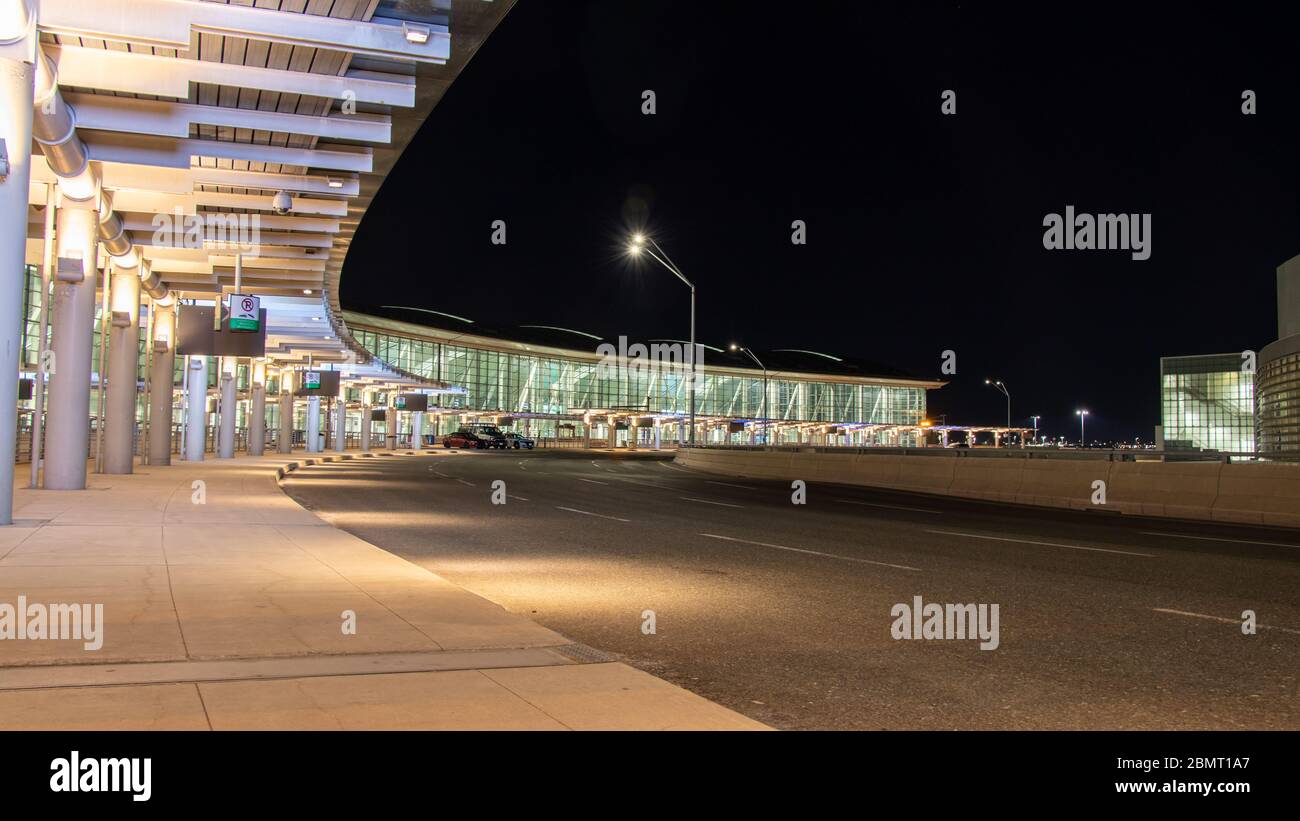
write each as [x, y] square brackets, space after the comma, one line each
[556, 381]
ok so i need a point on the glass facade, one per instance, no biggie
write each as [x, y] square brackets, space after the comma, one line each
[511, 382]
[31, 343]
[1207, 403]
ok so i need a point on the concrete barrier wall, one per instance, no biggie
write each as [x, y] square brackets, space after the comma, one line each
[1068, 484]
[1248, 493]
[1180, 490]
[1263, 494]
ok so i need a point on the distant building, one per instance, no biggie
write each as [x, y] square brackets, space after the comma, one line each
[1278, 377]
[1207, 403]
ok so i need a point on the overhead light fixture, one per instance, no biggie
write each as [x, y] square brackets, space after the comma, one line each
[334, 182]
[315, 319]
[307, 291]
[418, 35]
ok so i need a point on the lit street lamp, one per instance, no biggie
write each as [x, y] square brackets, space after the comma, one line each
[767, 439]
[998, 384]
[1035, 418]
[634, 248]
[1082, 414]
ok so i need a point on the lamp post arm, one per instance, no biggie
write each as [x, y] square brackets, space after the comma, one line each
[670, 265]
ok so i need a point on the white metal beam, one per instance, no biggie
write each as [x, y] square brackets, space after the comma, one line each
[144, 222]
[256, 202]
[168, 24]
[111, 146]
[169, 119]
[132, 72]
[266, 181]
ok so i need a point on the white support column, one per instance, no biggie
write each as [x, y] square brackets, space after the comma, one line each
[196, 409]
[390, 427]
[67, 429]
[367, 424]
[340, 423]
[160, 384]
[284, 443]
[313, 424]
[17, 78]
[417, 430]
[257, 412]
[123, 361]
[226, 436]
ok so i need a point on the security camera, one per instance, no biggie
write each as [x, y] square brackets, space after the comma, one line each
[282, 203]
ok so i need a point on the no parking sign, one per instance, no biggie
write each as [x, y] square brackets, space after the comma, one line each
[245, 312]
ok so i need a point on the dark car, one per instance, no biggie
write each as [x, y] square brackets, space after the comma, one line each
[491, 435]
[518, 440]
[463, 439]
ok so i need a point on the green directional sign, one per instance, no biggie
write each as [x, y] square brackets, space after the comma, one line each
[311, 380]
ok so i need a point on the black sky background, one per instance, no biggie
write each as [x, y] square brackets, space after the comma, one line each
[924, 231]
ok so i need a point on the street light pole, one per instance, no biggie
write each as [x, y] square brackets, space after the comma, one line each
[1035, 418]
[1082, 414]
[1002, 387]
[635, 248]
[767, 437]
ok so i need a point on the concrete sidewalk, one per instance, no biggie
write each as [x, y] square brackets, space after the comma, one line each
[223, 608]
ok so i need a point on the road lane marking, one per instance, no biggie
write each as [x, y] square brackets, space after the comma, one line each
[593, 461]
[589, 513]
[891, 507]
[1216, 539]
[517, 498]
[463, 482]
[592, 481]
[707, 502]
[640, 482]
[812, 552]
[1045, 544]
[671, 467]
[1222, 619]
[729, 484]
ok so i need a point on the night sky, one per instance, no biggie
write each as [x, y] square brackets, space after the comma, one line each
[925, 231]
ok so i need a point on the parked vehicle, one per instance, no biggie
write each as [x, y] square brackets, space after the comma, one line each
[517, 441]
[463, 439]
[491, 435]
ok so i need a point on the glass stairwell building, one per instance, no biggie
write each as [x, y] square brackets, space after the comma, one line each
[1207, 403]
[554, 377]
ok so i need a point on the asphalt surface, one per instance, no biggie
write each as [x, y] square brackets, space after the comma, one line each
[783, 611]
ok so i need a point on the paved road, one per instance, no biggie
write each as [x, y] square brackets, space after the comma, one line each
[783, 611]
